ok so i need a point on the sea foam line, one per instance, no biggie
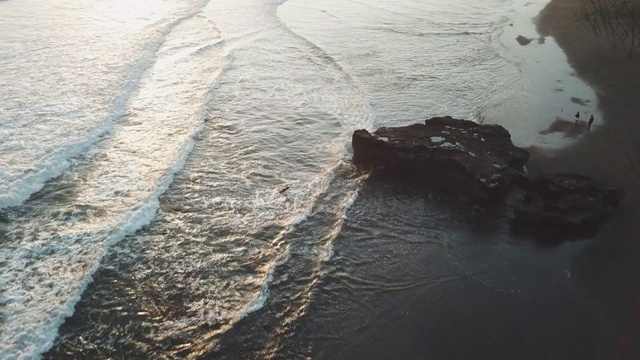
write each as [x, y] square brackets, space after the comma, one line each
[59, 162]
[131, 222]
[41, 340]
[324, 181]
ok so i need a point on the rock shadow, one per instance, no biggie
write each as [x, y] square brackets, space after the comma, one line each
[523, 41]
[551, 235]
[569, 128]
[582, 102]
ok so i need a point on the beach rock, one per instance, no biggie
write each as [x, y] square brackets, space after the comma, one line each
[566, 200]
[478, 161]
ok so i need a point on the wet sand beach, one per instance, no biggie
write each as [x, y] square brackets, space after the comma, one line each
[616, 79]
[608, 269]
[596, 314]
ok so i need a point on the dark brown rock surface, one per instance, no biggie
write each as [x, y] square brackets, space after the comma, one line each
[478, 161]
[566, 200]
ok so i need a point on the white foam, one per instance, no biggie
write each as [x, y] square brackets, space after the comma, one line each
[321, 183]
[301, 197]
[16, 188]
[351, 198]
[449, 145]
[50, 268]
[98, 232]
[261, 299]
[328, 253]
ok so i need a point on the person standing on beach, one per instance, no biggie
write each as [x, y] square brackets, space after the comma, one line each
[590, 122]
[577, 117]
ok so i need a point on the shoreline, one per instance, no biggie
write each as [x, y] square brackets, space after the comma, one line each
[548, 92]
[608, 270]
[592, 316]
[616, 79]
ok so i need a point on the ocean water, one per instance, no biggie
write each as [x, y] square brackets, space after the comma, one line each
[175, 178]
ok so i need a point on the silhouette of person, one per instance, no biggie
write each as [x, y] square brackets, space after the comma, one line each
[577, 117]
[590, 122]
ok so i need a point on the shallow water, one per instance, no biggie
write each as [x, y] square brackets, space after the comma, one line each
[176, 175]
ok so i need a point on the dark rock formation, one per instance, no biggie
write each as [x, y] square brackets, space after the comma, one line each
[566, 200]
[481, 162]
[478, 161]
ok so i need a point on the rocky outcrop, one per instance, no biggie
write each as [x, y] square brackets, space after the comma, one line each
[478, 161]
[566, 200]
[481, 162]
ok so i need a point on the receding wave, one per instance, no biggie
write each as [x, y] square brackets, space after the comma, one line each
[262, 165]
[29, 168]
[53, 244]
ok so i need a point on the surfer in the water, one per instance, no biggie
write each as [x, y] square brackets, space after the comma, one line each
[590, 123]
[577, 117]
